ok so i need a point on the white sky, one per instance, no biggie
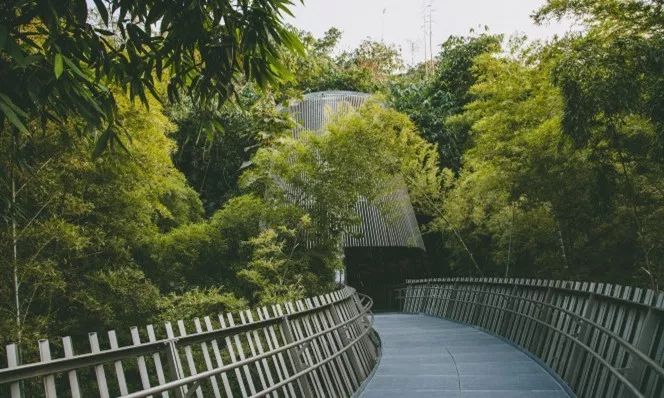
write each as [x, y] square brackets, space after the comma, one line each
[403, 19]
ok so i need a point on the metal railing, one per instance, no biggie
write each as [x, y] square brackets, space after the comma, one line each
[603, 340]
[318, 347]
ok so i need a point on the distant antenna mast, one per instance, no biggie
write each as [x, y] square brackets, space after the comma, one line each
[427, 10]
[382, 29]
[424, 31]
[412, 44]
[430, 32]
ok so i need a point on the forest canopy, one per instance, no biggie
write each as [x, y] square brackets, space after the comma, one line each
[144, 151]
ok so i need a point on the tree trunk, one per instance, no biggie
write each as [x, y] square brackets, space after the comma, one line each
[17, 301]
[509, 246]
[465, 247]
[561, 241]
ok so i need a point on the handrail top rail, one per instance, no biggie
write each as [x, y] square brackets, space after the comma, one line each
[226, 368]
[579, 317]
[579, 329]
[60, 365]
[626, 294]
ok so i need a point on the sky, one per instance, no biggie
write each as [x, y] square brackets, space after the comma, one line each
[400, 21]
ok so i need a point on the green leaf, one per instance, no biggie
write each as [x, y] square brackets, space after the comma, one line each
[58, 66]
[102, 142]
[103, 12]
[72, 66]
[13, 117]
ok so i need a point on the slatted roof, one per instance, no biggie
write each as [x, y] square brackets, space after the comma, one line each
[397, 229]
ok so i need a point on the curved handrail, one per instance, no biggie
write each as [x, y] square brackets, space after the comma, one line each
[597, 329]
[624, 343]
[652, 299]
[570, 337]
[300, 342]
[8, 375]
[206, 375]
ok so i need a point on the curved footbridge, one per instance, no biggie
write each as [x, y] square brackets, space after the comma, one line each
[458, 337]
[425, 356]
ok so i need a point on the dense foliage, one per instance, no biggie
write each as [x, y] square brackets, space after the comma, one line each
[58, 61]
[521, 159]
[554, 150]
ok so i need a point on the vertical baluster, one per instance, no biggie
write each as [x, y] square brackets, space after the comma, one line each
[142, 368]
[316, 350]
[280, 356]
[616, 354]
[45, 357]
[294, 354]
[259, 347]
[156, 358]
[99, 369]
[596, 342]
[249, 338]
[206, 358]
[352, 366]
[240, 351]
[73, 378]
[189, 356]
[231, 352]
[348, 310]
[12, 362]
[271, 346]
[328, 347]
[304, 349]
[645, 340]
[119, 371]
[218, 358]
[174, 362]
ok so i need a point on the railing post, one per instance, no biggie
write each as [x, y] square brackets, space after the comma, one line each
[508, 313]
[451, 302]
[545, 315]
[173, 359]
[401, 299]
[578, 352]
[354, 360]
[367, 323]
[13, 360]
[49, 381]
[478, 303]
[427, 298]
[303, 381]
[646, 338]
[438, 301]
[174, 367]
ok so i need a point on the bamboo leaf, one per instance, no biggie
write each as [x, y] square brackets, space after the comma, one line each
[13, 118]
[102, 142]
[103, 12]
[58, 65]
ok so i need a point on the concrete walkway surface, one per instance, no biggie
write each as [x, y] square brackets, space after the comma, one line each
[425, 356]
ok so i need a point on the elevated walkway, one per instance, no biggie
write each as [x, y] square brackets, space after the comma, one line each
[424, 356]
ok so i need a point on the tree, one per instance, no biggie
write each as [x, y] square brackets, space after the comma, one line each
[69, 70]
[56, 63]
[612, 82]
[69, 254]
[368, 68]
[528, 199]
[275, 268]
[430, 101]
[363, 153]
[504, 200]
[215, 143]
